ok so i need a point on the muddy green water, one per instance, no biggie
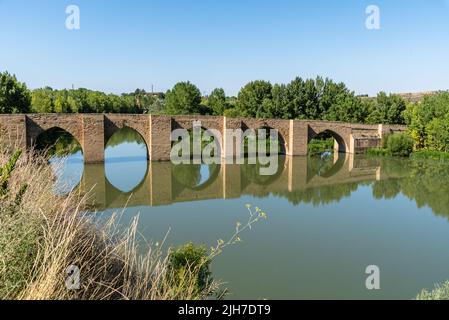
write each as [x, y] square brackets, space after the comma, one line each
[328, 219]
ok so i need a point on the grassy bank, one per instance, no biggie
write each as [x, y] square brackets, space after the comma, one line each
[429, 154]
[42, 235]
[420, 154]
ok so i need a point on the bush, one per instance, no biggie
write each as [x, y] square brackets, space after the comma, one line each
[400, 145]
[190, 259]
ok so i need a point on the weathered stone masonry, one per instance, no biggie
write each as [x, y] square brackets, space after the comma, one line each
[93, 131]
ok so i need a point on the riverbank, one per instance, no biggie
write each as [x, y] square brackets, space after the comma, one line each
[420, 154]
[50, 249]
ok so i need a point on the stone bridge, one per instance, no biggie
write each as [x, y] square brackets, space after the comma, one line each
[93, 131]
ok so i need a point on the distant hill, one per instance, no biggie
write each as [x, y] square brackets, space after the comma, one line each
[411, 96]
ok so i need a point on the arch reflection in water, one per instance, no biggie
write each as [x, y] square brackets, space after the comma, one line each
[165, 183]
[126, 157]
[65, 157]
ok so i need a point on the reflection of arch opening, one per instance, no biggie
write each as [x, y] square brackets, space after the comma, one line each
[65, 157]
[114, 193]
[327, 167]
[126, 159]
[191, 176]
[251, 173]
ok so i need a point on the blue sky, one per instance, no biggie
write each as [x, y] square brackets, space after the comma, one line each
[123, 45]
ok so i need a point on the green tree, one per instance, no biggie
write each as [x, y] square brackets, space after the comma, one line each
[388, 109]
[14, 95]
[42, 100]
[338, 103]
[184, 98]
[253, 97]
[217, 102]
[426, 121]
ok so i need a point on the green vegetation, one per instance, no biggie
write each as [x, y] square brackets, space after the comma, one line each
[42, 234]
[252, 141]
[428, 128]
[428, 122]
[57, 142]
[378, 152]
[440, 292]
[396, 145]
[184, 98]
[218, 102]
[317, 146]
[14, 95]
[190, 257]
[400, 145]
[386, 109]
[428, 154]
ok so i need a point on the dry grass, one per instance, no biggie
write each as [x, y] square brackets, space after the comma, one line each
[45, 234]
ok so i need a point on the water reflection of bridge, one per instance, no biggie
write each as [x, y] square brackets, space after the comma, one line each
[161, 186]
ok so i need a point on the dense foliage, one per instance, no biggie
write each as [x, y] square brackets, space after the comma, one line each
[184, 98]
[428, 122]
[14, 95]
[400, 145]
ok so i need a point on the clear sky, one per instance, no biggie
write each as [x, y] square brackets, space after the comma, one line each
[123, 45]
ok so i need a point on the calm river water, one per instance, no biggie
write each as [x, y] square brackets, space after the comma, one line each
[328, 219]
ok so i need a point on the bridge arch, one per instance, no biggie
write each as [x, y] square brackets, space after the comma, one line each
[58, 141]
[116, 123]
[281, 126]
[39, 124]
[126, 151]
[214, 126]
[341, 145]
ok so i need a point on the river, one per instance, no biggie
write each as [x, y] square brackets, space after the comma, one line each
[328, 219]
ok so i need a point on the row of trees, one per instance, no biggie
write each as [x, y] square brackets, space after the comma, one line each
[316, 99]
[300, 99]
[15, 97]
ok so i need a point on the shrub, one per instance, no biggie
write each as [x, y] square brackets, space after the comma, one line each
[187, 260]
[400, 145]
